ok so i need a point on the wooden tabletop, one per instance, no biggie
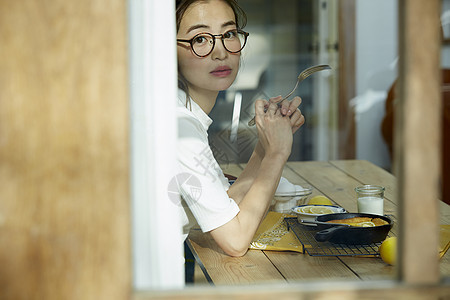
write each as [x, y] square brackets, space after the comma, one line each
[336, 180]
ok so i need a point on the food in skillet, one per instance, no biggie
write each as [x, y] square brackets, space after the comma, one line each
[361, 222]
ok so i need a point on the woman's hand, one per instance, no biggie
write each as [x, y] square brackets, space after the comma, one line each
[274, 129]
[290, 109]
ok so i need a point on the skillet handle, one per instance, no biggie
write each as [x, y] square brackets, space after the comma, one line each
[326, 234]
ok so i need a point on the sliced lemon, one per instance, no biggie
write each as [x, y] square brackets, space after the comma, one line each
[321, 210]
[320, 200]
[365, 224]
[305, 209]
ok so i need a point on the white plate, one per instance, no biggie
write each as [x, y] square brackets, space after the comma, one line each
[302, 214]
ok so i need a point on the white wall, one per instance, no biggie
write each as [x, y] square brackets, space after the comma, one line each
[376, 43]
[376, 54]
[445, 54]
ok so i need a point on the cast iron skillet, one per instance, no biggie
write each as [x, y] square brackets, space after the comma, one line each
[351, 235]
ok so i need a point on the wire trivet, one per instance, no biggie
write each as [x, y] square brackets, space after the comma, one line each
[305, 234]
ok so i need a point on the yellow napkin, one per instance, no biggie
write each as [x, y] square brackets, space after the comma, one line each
[273, 234]
[444, 239]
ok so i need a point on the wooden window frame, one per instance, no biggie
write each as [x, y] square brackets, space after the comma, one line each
[417, 147]
[65, 201]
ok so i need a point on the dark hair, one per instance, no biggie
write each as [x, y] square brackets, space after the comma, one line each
[182, 6]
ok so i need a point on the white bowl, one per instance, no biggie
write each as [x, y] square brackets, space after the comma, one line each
[302, 211]
[299, 192]
[284, 201]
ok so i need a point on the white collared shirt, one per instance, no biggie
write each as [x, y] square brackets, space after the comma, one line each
[204, 186]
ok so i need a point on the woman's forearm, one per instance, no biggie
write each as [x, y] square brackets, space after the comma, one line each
[245, 180]
[235, 236]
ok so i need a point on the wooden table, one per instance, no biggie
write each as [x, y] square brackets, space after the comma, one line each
[336, 180]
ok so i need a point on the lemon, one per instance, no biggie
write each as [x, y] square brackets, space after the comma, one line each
[320, 210]
[388, 250]
[306, 209]
[320, 200]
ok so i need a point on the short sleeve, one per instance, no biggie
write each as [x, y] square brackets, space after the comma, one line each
[204, 186]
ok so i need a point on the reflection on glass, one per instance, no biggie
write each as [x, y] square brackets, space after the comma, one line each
[291, 35]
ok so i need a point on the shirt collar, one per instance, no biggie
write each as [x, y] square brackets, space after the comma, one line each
[195, 109]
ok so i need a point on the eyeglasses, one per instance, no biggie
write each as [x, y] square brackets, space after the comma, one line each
[203, 43]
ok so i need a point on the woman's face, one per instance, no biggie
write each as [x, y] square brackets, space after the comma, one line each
[218, 70]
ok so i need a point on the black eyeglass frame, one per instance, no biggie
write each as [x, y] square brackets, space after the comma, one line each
[190, 41]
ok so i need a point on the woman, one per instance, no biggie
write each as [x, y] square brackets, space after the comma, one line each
[209, 41]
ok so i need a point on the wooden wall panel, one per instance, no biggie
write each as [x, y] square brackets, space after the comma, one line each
[418, 139]
[347, 80]
[64, 166]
